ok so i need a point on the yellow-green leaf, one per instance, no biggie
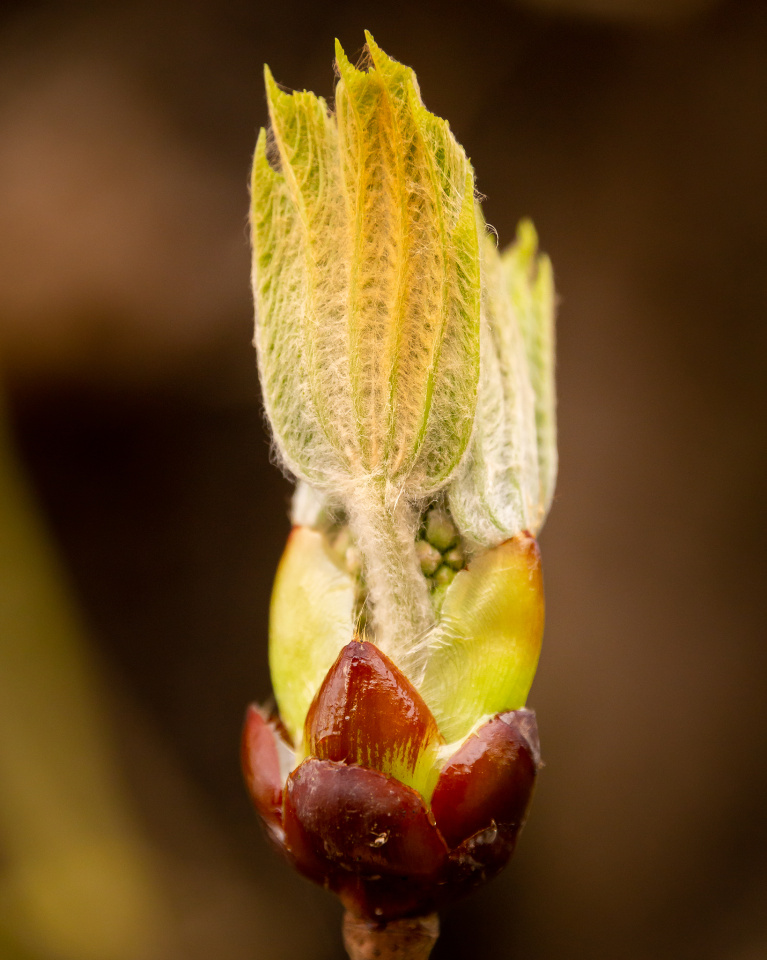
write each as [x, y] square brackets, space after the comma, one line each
[367, 284]
[279, 284]
[496, 492]
[530, 282]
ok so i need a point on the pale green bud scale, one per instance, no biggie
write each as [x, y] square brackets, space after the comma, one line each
[483, 651]
[310, 619]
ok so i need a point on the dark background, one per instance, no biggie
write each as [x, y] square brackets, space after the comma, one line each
[634, 133]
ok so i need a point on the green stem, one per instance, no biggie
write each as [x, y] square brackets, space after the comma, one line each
[384, 525]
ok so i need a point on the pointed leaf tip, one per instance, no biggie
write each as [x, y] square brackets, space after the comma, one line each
[269, 82]
[527, 237]
[262, 145]
[260, 151]
[281, 102]
[273, 92]
[379, 57]
[343, 63]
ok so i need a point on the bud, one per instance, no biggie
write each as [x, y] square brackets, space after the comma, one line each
[407, 372]
[347, 818]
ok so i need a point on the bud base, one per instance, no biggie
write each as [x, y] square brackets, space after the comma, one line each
[409, 939]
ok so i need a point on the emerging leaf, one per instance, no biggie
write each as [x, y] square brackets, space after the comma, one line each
[366, 276]
[496, 493]
[530, 282]
[407, 372]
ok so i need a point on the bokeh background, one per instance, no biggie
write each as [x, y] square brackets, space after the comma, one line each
[141, 518]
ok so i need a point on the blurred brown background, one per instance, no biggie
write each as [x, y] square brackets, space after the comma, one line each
[634, 133]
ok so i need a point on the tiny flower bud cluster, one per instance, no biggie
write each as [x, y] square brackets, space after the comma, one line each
[440, 552]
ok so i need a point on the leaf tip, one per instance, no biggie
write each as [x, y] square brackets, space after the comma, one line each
[344, 65]
[269, 81]
[279, 101]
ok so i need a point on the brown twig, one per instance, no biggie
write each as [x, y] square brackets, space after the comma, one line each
[410, 939]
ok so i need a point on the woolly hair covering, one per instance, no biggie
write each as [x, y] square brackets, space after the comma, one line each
[400, 354]
[367, 283]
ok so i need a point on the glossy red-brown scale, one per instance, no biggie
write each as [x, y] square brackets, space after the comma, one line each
[366, 711]
[488, 782]
[365, 835]
[261, 766]
[477, 860]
